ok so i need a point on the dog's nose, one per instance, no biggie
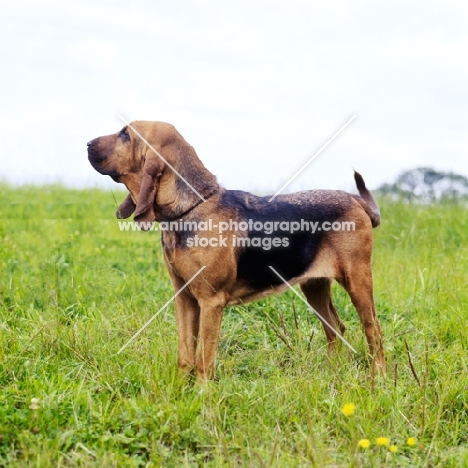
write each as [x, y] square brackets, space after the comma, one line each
[89, 143]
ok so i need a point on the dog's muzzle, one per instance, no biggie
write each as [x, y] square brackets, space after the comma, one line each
[97, 160]
[94, 155]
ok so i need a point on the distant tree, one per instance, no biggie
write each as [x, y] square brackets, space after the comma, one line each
[426, 185]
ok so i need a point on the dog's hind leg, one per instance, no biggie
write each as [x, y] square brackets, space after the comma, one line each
[360, 289]
[318, 294]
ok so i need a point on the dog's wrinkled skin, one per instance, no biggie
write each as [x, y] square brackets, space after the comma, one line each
[232, 274]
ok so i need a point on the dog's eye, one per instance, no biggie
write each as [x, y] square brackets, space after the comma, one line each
[124, 134]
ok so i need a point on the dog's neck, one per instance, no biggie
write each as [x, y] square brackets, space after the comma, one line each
[187, 197]
[189, 186]
[181, 208]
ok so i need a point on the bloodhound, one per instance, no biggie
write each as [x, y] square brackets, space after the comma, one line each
[248, 246]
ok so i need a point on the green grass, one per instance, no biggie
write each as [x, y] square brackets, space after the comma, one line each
[74, 289]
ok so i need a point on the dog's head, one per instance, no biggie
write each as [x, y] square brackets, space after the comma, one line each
[160, 169]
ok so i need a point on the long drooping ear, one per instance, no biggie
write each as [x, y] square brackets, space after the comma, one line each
[144, 213]
[126, 208]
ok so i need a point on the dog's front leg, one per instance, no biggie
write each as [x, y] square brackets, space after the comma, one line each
[188, 317]
[211, 314]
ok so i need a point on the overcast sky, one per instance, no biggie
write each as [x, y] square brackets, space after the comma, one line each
[256, 86]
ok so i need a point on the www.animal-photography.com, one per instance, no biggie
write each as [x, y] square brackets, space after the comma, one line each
[234, 234]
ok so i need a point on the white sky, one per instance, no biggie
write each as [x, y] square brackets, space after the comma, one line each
[256, 86]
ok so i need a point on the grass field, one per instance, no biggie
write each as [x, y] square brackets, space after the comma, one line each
[74, 289]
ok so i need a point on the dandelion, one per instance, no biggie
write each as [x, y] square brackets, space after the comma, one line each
[364, 443]
[348, 409]
[383, 441]
[34, 406]
[393, 448]
[411, 441]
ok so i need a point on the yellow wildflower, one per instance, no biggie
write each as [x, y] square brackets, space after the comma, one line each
[383, 441]
[348, 409]
[411, 441]
[393, 448]
[364, 443]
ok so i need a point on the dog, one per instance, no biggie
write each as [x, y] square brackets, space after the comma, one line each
[243, 261]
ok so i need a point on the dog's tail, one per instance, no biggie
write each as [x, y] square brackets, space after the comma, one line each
[367, 200]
